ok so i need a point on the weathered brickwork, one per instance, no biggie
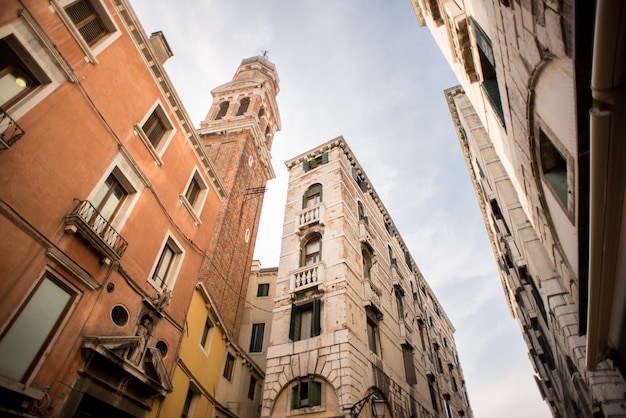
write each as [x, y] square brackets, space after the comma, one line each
[239, 141]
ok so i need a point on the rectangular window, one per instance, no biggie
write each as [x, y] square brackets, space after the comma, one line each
[205, 333]
[154, 128]
[90, 25]
[19, 73]
[165, 271]
[409, 365]
[195, 195]
[189, 406]
[256, 340]
[193, 190]
[229, 367]
[554, 168]
[33, 327]
[109, 198]
[373, 337]
[305, 321]
[252, 388]
[263, 290]
[399, 303]
[306, 394]
[487, 64]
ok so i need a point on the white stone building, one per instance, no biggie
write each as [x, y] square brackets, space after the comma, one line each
[540, 117]
[354, 319]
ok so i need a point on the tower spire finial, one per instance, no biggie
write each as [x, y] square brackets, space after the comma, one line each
[264, 53]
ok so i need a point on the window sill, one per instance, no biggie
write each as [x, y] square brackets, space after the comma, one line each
[153, 152]
[190, 209]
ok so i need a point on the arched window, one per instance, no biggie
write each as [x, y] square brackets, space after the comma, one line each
[313, 196]
[223, 109]
[243, 106]
[261, 112]
[311, 250]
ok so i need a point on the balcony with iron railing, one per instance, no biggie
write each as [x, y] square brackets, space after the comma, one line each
[307, 277]
[310, 216]
[91, 225]
[10, 131]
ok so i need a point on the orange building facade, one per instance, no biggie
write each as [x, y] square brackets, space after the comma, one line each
[108, 203]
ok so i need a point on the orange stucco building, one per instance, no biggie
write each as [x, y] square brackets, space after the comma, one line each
[108, 202]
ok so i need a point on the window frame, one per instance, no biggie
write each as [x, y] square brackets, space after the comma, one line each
[156, 150]
[173, 269]
[195, 207]
[544, 135]
[295, 324]
[229, 367]
[257, 338]
[314, 397]
[314, 194]
[266, 292]
[206, 336]
[26, 44]
[222, 110]
[113, 31]
[244, 105]
[41, 354]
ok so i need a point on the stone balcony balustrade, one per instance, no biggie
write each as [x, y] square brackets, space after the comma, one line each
[307, 277]
[310, 216]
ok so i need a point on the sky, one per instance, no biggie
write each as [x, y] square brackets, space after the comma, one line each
[366, 70]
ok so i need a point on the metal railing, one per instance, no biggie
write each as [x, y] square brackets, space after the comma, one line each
[10, 131]
[93, 226]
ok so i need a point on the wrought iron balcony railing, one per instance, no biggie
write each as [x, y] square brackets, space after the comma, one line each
[10, 131]
[92, 226]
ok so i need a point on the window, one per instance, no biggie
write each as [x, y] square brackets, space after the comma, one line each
[361, 213]
[446, 407]
[222, 110]
[195, 195]
[243, 106]
[263, 289]
[189, 406]
[312, 196]
[312, 250]
[25, 339]
[110, 197]
[167, 264]
[156, 131]
[306, 393]
[229, 367]
[261, 112]
[305, 321]
[17, 79]
[367, 263]
[89, 24]
[487, 65]
[554, 168]
[433, 393]
[399, 302]
[309, 165]
[409, 365]
[359, 180]
[208, 325]
[256, 339]
[252, 388]
[373, 334]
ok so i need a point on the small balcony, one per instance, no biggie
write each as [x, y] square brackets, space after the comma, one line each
[307, 277]
[10, 131]
[91, 225]
[310, 216]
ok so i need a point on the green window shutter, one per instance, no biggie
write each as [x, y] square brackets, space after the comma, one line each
[296, 396]
[306, 166]
[325, 158]
[315, 393]
[355, 175]
[317, 323]
[292, 324]
[363, 186]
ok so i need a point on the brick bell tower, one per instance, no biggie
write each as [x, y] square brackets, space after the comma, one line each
[237, 134]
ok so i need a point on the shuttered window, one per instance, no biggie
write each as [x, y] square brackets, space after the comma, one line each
[154, 128]
[87, 21]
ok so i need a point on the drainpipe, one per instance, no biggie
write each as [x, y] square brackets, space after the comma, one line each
[607, 172]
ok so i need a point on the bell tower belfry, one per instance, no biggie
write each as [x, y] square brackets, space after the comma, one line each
[237, 134]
